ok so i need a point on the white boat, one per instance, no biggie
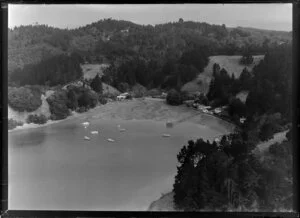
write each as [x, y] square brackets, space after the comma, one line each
[86, 124]
[166, 135]
[122, 130]
[94, 132]
[110, 140]
[87, 138]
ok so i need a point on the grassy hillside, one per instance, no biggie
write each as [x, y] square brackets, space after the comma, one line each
[229, 63]
[91, 70]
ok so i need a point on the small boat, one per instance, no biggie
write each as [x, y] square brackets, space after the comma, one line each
[94, 132]
[122, 130]
[110, 140]
[166, 135]
[119, 126]
[86, 124]
[87, 138]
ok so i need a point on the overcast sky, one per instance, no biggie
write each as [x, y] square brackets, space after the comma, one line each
[264, 16]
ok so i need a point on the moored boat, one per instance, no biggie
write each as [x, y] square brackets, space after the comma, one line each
[87, 138]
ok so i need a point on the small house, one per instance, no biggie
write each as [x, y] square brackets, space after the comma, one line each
[242, 119]
[217, 110]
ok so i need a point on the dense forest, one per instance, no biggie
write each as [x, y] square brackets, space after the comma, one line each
[113, 40]
[56, 70]
[228, 175]
[165, 74]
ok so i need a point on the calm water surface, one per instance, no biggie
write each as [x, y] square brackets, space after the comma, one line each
[53, 168]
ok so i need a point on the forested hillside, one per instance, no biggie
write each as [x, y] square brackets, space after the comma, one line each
[228, 175]
[109, 40]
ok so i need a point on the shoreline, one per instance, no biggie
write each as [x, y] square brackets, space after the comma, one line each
[146, 109]
[124, 110]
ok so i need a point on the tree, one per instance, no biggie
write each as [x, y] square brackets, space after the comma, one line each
[88, 99]
[245, 79]
[246, 59]
[96, 84]
[237, 107]
[58, 105]
[174, 98]
[24, 99]
[72, 100]
[267, 131]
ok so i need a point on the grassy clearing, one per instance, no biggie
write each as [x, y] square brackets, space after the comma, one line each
[91, 70]
[229, 63]
[242, 96]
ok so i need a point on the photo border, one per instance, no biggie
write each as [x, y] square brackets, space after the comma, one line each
[37, 213]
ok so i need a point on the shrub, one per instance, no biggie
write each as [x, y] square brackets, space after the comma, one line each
[58, 105]
[102, 99]
[154, 92]
[24, 99]
[174, 98]
[13, 124]
[72, 102]
[186, 96]
[81, 109]
[110, 95]
[123, 87]
[138, 91]
[202, 99]
[96, 84]
[37, 119]
[267, 131]
[237, 107]
[88, 99]
[247, 59]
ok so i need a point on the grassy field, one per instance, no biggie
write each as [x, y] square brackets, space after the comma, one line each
[229, 63]
[242, 96]
[91, 70]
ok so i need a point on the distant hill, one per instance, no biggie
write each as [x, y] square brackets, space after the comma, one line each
[110, 40]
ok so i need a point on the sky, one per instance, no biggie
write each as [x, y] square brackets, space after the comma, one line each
[262, 16]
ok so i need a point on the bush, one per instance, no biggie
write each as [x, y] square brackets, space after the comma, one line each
[102, 99]
[186, 96]
[123, 87]
[24, 99]
[72, 102]
[138, 91]
[237, 107]
[58, 105]
[267, 131]
[174, 98]
[202, 99]
[81, 109]
[153, 92]
[96, 84]
[247, 59]
[110, 95]
[37, 119]
[13, 124]
[88, 99]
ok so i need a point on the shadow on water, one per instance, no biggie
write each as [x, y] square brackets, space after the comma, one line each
[30, 138]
